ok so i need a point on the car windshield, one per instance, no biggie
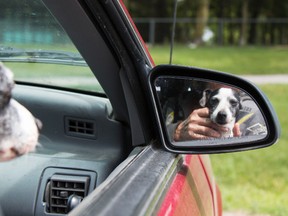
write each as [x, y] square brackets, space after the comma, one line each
[36, 48]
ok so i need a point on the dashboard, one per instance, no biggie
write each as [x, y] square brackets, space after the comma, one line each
[79, 145]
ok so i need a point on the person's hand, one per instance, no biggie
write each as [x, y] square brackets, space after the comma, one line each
[236, 130]
[198, 126]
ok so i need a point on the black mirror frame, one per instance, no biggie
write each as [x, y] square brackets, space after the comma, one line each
[273, 126]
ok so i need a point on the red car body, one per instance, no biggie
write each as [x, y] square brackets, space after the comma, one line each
[193, 191]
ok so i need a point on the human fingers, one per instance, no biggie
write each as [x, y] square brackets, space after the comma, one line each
[199, 116]
[236, 130]
[204, 131]
[202, 112]
[186, 135]
[190, 131]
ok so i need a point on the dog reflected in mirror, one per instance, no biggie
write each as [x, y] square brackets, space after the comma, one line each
[224, 105]
[19, 130]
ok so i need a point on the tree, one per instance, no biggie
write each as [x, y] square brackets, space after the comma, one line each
[240, 21]
[202, 16]
[244, 23]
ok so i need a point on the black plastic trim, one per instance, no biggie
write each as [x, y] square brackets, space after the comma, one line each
[221, 146]
[133, 61]
[48, 173]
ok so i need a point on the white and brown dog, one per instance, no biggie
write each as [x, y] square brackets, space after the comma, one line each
[18, 128]
[224, 105]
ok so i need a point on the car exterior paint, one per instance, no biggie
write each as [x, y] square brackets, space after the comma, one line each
[190, 192]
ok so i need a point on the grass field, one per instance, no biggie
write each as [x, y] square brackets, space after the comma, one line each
[236, 60]
[256, 181]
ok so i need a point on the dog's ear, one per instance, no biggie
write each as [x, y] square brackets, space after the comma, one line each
[240, 104]
[239, 96]
[205, 97]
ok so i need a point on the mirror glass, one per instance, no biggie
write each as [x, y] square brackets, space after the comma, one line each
[204, 110]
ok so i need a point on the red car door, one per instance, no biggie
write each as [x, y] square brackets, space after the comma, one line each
[192, 191]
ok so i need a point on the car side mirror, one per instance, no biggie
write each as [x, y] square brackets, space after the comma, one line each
[203, 111]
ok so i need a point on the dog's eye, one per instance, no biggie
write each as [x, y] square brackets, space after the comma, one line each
[234, 103]
[214, 101]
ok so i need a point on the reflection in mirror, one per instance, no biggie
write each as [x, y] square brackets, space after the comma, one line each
[198, 109]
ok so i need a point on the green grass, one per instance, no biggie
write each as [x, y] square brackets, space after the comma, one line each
[256, 181]
[236, 60]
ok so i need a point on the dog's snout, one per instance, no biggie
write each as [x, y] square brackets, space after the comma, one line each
[221, 117]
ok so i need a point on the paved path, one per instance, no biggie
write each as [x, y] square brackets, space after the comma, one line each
[242, 214]
[268, 79]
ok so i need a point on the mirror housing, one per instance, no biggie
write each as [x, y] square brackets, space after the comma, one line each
[171, 78]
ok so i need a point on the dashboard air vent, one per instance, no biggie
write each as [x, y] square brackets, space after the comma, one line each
[80, 128]
[63, 191]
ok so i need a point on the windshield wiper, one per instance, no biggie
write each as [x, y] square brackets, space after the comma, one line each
[7, 51]
[11, 54]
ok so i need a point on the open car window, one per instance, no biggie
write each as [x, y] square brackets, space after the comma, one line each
[38, 50]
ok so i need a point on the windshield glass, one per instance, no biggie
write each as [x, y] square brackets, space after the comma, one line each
[35, 47]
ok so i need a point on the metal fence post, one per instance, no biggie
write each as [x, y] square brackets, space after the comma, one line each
[220, 31]
[152, 31]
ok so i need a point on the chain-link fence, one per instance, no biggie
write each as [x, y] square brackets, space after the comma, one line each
[158, 30]
[220, 31]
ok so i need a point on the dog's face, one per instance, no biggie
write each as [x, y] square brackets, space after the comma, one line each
[223, 105]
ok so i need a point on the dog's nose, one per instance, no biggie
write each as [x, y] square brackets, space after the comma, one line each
[221, 117]
[8, 154]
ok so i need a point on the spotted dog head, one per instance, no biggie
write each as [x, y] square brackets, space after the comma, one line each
[224, 105]
[18, 128]
[6, 85]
